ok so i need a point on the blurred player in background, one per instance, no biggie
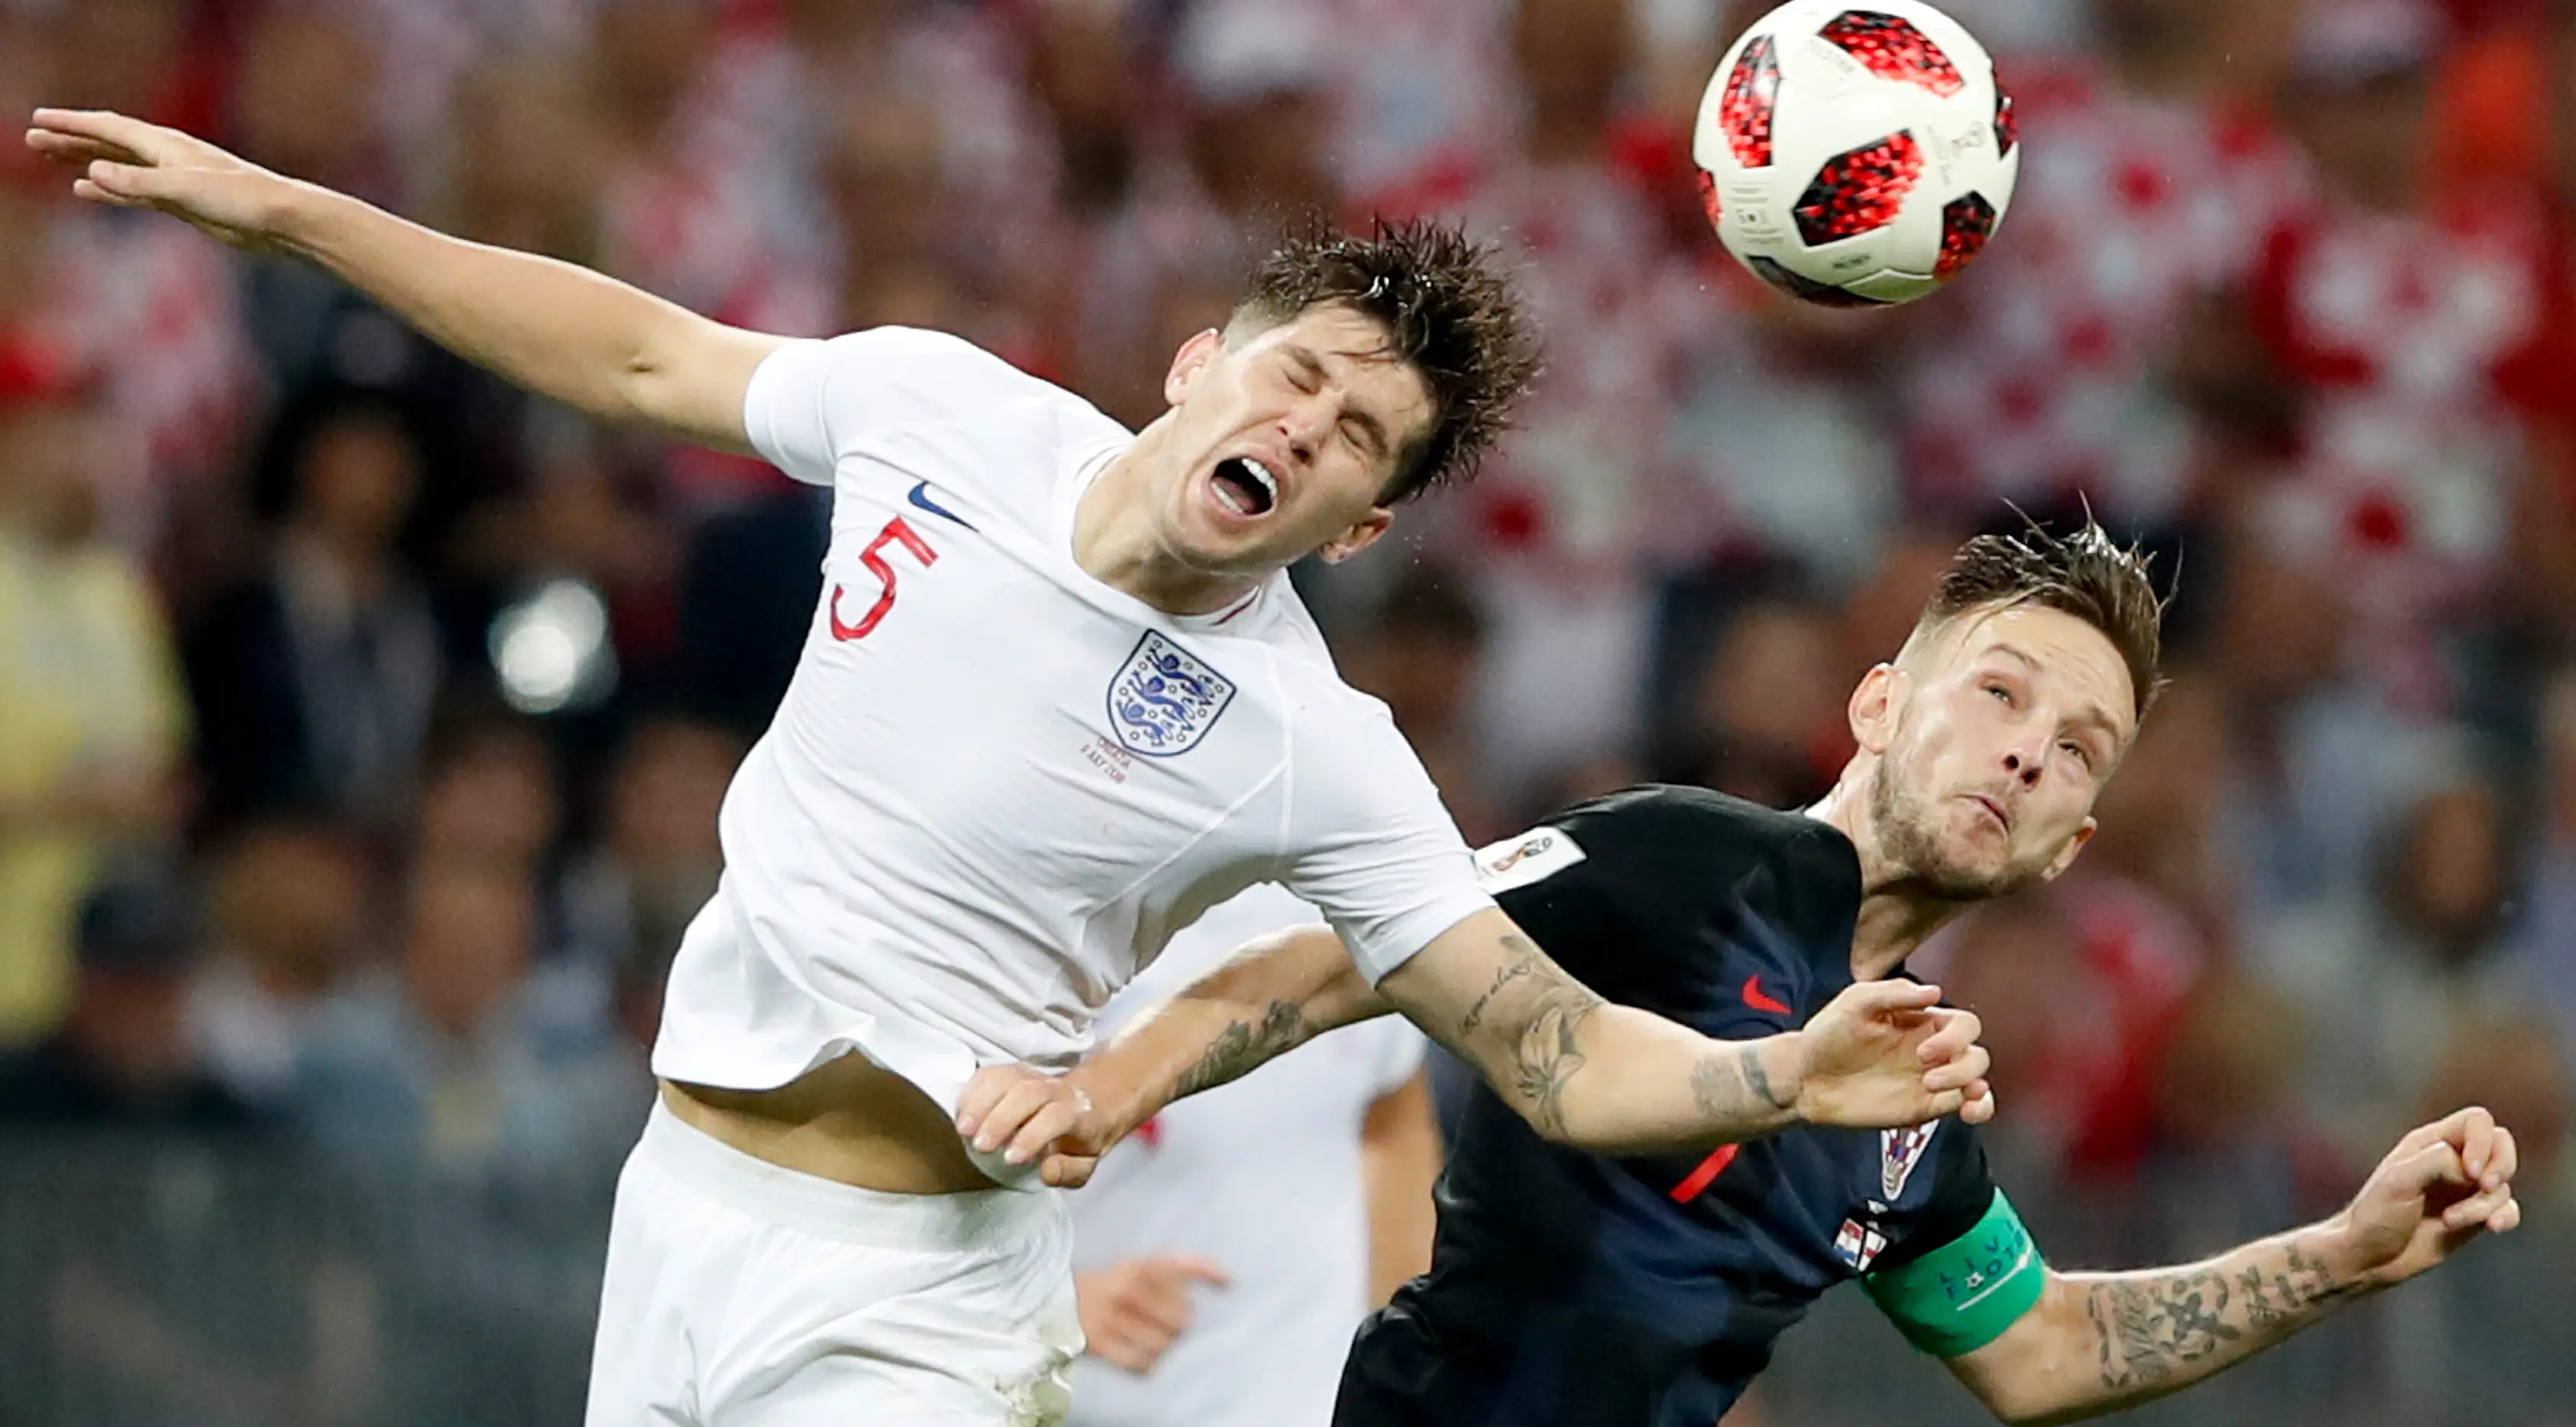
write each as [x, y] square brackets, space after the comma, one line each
[1571, 1289]
[1224, 1256]
[1057, 700]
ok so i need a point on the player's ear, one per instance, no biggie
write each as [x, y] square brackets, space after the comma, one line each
[2066, 855]
[1194, 357]
[1875, 705]
[1363, 534]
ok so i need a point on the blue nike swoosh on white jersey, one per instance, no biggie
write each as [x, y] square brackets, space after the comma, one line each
[921, 497]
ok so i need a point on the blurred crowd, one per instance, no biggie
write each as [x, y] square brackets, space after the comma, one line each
[363, 722]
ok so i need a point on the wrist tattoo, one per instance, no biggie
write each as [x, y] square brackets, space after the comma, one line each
[1244, 1045]
[1732, 1085]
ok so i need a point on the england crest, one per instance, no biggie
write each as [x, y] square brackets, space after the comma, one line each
[1899, 1152]
[1163, 700]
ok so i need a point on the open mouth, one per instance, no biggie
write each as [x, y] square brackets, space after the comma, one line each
[1246, 486]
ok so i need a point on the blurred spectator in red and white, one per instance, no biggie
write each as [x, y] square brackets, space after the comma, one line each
[695, 205]
[1425, 102]
[1786, 434]
[2146, 186]
[2395, 315]
[693, 211]
[427, 52]
[314, 678]
[148, 306]
[1239, 164]
[916, 157]
[1567, 524]
[92, 716]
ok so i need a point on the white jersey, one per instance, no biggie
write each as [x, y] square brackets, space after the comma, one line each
[996, 786]
[1264, 1178]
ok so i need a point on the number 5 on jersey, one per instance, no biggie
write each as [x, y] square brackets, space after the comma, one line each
[896, 532]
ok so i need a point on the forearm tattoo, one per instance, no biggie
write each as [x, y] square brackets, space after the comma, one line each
[1541, 1023]
[2154, 1328]
[1244, 1045]
[1515, 970]
[1734, 1085]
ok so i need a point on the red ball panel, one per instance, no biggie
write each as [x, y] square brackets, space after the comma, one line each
[1860, 191]
[1966, 222]
[1752, 97]
[1892, 48]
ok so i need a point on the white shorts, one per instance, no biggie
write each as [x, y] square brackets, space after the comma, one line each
[740, 1294]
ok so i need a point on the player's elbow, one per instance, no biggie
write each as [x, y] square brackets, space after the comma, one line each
[644, 385]
[682, 374]
[2037, 1392]
[2022, 1410]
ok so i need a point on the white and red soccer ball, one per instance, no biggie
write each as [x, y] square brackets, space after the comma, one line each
[1856, 152]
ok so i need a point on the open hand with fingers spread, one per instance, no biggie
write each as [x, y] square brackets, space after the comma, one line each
[2443, 1186]
[131, 164]
[1886, 1054]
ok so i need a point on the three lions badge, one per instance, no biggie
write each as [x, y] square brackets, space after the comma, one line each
[1163, 700]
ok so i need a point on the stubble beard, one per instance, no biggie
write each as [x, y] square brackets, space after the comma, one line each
[1909, 839]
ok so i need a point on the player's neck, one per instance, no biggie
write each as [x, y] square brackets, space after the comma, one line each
[1897, 913]
[1117, 541]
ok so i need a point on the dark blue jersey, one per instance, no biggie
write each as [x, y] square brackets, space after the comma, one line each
[1569, 1289]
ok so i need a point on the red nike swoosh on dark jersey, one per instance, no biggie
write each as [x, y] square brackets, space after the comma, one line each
[1753, 997]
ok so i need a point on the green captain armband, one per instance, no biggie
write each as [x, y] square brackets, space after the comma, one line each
[1964, 1294]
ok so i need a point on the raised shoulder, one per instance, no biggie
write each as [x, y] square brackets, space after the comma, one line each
[813, 401]
[1702, 835]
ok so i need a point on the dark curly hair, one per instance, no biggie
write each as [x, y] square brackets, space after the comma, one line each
[2086, 574]
[1450, 311]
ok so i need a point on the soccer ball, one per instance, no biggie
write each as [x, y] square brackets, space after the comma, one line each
[1856, 152]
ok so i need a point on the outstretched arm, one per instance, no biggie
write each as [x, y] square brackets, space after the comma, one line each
[590, 342]
[1584, 1072]
[2100, 1342]
[1614, 1079]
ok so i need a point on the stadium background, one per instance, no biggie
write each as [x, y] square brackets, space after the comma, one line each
[362, 724]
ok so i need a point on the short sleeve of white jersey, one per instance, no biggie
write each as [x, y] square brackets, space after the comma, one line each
[1372, 844]
[812, 399]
